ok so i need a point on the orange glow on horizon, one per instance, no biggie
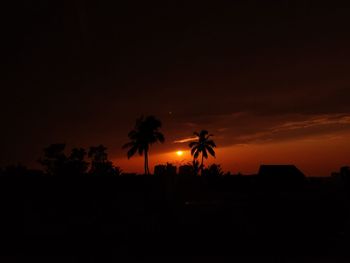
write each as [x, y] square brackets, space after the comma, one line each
[316, 156]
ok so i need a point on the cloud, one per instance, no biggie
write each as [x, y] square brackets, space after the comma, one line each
[296, 127]
[323, 120]
[190, 139]
[248, 128]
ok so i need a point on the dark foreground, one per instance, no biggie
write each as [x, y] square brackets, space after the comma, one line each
[236, 216]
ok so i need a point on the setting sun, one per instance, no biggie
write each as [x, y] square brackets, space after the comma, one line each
[179, 153]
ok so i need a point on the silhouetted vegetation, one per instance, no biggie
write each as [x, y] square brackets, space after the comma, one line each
[54, 160]
[57, 163]
[145, 133]
[76, 161]
[81, 195]
[100, 165]
[190, 169]
[213, 170]
[165, 170]
[202, 146]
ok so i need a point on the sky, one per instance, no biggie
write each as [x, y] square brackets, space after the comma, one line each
[268, 78]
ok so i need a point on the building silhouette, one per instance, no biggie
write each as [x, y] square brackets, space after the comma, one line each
[281, 175]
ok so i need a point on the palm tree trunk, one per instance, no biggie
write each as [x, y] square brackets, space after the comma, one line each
[147, 165]
[146, 162]
[202, 166]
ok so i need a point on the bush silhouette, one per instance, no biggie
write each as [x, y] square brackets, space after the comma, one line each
[165, 169]
[213, 170]
[190, 169]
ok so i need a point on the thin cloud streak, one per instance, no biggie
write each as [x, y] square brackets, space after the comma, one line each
[315, 121]
[325, 124]
[249, 128]
[190, 139]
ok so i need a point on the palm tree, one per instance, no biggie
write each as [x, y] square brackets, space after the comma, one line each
[202, 146]
[145, 133]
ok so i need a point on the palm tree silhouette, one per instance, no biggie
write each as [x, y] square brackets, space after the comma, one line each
[145, 133]
[202, 146]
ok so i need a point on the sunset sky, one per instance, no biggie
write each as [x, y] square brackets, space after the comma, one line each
[270, 79]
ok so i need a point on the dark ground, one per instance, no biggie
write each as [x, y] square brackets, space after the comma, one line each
[234, 216]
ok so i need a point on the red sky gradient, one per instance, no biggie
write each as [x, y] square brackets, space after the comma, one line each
[318, 153]
[318, 156]
[270, 79]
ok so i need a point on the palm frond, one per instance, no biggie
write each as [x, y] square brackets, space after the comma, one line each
[194, 149]
[132, 133]
[132, 151]
[141, 149]
[196, 154]
[128, 145]
[210, 135]
[159, 136]
[192, 144]
[210, 150]
[205, 154]
[211, 143]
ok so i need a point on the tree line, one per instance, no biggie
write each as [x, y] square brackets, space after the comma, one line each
[94, 160]
[56, 162]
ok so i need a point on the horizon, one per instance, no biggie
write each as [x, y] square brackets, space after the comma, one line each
[312, 154]
[135, 164]
[269, 80]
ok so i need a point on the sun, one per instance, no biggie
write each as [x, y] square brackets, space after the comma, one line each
[179, 153]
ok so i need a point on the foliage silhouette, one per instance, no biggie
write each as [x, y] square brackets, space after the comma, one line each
[57, 163]
[100, 165]
[165, 170]
[55, 159]
[203, 145]
[190, 169]
[213, 170]
[145, 133]
[76, 164]
[196, 167]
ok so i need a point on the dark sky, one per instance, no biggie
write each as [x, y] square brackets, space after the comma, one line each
[252, 72]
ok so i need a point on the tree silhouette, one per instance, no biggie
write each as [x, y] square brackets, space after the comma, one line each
[190, 169]
[202, 146]
[167, 169]
[100, 165]
[57, 163]
[196, 167]
[145, 133]
[54, 159]
[213, 170]
[76, 163]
